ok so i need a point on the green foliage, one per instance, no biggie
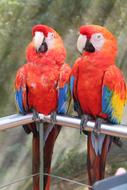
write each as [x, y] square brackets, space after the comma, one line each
[16, 20]
[117, 165]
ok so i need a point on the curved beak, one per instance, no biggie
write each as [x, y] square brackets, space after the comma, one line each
[39, 42]
[89, 47]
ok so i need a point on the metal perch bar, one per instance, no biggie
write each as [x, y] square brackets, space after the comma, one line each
[17, 120]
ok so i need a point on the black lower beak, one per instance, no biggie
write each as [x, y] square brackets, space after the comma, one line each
[43, 48]
[89, 46]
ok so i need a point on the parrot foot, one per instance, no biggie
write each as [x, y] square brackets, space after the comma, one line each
[84, 119]
[35, 115]
[53, 118]
[36, 118]
[33, 127]
[97, 128]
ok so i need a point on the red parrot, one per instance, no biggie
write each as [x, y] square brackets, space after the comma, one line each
[99, 91]
[41, 86]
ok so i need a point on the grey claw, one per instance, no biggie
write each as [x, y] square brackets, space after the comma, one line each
[36, 119]
[84, 119]
[97, 128]
[35, 115]
[53, 118]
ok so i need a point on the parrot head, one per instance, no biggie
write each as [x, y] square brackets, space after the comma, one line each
[94, 39]
[46, 42]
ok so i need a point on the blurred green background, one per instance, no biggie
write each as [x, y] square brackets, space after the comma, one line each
[65, 16]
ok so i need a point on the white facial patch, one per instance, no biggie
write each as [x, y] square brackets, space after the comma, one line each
[38, 39]
[50, 40]
[97, 41]
[81, 42]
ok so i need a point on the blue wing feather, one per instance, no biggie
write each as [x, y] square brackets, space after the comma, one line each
[62, 99]
[77, 106]
[72, 84]
[19, 101]
[106, 104]
[106, 99]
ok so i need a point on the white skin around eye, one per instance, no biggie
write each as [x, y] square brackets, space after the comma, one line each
[50, 40]
[97, 41]
[81, 42]
[38, 39]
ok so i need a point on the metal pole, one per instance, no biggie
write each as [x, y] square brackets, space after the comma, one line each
[41, 180]
[17, 119]
[109, 129]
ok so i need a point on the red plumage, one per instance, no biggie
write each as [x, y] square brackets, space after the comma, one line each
[99, 87]
[40, 80]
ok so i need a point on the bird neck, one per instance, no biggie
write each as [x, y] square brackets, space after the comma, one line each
[99, 59]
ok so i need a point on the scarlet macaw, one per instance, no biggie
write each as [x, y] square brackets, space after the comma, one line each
[41, 85]
[99, 90]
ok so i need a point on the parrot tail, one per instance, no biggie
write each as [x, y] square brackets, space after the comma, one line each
[48, 182]
[50, 134]
[35, 152]
[97, 150]
[48, 150]
[36, 161]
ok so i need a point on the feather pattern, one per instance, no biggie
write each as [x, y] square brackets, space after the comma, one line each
[113, 94]
[97, 142]
[19, 101]
[63, 89]
[72, 79]
[62, 99]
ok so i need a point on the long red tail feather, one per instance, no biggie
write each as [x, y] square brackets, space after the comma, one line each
[36, 161]
[96, 163]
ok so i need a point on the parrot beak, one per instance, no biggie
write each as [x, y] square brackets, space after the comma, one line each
[43, 48]
[89, 47]
[39, 42]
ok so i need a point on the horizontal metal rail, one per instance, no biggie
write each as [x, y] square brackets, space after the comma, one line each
[18, 120]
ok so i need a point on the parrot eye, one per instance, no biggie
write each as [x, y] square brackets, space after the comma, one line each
[50, 35]
[81, 42]
[97, 41]
[50, 40]
[98, 36]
